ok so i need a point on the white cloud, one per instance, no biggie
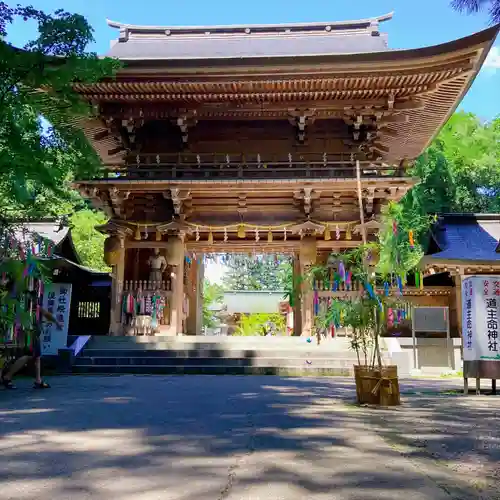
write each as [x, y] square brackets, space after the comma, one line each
[493, 58]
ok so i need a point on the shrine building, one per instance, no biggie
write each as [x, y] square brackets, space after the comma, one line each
[256, 138]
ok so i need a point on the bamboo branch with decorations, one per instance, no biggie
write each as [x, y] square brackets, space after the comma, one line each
[22, 270]
[370, 280]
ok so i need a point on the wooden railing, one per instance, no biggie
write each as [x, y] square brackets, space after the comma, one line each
[238, 167]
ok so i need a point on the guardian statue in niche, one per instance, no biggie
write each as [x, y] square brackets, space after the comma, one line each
[157, 266]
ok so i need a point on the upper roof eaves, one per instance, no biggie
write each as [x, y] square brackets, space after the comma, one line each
[371, 22]
[241, 41]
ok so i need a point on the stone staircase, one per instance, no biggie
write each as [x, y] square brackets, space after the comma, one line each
[216, 355]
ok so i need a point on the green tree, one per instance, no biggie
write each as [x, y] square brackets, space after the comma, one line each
[260, 324]
[212, 295]
[460, 171]
[474, 6]
[261, 272]
[89, 243]
[41, 149]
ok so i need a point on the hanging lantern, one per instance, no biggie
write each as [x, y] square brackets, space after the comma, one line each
[327, 234]
[348, 233]
[158, 235]
[210, 238]
[241, 231]
[269, 236]
[137, 235]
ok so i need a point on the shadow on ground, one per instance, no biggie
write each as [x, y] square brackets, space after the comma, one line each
[269, 438]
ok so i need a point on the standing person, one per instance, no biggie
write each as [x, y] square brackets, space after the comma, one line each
[28, 353]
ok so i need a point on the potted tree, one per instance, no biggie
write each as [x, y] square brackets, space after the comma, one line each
[380, 267]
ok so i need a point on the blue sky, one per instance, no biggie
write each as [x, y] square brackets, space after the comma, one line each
[415, 24]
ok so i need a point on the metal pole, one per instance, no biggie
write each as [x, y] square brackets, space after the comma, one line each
[448, 345]
[360, 201]
[414, 340]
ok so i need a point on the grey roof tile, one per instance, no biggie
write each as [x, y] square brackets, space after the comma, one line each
[52, 231]
[243, 46]
[473, 238]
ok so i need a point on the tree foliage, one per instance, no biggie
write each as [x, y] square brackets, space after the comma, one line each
[212, 295]
[257, 272]
[89, 243]
[260, 324]
[460, 171]
[41, 148]
[474, 6]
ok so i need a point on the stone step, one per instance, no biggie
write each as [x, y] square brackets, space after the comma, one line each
[202, 342]
[228, 362]
[217, 353]
[309, 370]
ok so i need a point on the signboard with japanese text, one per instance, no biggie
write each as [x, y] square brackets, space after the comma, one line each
[481, 318]
[57, 301]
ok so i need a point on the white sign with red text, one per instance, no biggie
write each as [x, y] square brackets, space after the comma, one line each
[481, 318]
[57, 301]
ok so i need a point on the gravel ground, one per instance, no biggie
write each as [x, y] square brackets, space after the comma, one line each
[244, 438]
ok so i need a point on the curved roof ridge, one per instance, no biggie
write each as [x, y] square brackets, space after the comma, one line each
[359, 23]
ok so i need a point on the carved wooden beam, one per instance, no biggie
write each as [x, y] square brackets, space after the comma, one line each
[242, 204]
[369, 196]
[178, 197]
[305, 197]
[97, 199]
[301, 118]
[185, 121]
[99, 136]
[117, 198]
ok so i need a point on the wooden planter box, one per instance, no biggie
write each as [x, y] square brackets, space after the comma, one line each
[377, 386]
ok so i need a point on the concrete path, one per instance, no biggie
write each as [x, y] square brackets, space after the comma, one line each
[234, 438]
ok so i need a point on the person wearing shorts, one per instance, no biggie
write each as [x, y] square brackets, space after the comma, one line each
[29, 353]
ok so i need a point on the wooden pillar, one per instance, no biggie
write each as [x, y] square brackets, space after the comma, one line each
[195, 297]
[176, 255]
[360, 202]
[118, 275]
[297, 308]
[308, 251]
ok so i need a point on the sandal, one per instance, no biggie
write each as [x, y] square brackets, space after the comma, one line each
[7, 383]
[41, 385]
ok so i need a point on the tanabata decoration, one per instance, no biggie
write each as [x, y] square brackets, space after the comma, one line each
[410, 238]
[390, 317]
[342, 271]
[399, 282]
[129, 304]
